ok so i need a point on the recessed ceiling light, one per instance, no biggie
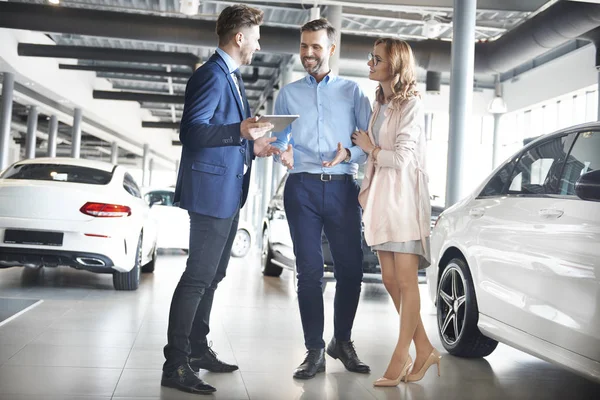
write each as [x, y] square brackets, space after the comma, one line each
[53, 1]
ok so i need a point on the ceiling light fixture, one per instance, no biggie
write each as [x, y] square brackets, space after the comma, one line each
[498, 104]
[189, 7]
[431, 27]
[54, 1]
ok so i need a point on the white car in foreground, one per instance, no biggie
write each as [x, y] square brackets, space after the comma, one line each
[518, 261]
[174, 224]
[79, 213]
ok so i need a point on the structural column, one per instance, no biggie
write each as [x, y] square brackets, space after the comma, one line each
[598, 117]
[334, 16]
[145, 164]
[30, 139]
[150, 171]
[76, 141]
[52, 135]
[428, 125]
[461, 93]
[114, 153]
[496, 143]
[8, 85]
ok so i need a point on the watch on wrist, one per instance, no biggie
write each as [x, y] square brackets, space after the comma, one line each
[348, 156]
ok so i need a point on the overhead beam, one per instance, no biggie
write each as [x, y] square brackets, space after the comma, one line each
[107, 54]
[497, 5]
[90, 22]
[145, 97]
[139, 78]
[160, 124]
[125, 70]
[140, 97]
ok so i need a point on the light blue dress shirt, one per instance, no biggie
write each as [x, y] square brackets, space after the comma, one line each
[231, 64]
[330, 111]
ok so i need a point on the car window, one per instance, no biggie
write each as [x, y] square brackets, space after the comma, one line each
[584, 157]
[58, 173]
[497, 185]
[131, 187]
[538, 170]
[160, 197]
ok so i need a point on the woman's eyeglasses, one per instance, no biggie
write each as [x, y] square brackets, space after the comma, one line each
[376, 60]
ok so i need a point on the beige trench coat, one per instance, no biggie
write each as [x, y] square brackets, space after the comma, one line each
[394, 193]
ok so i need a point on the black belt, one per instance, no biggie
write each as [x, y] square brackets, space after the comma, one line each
[326, 177]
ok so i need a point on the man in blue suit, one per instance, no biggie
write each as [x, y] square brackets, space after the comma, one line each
[219, 140]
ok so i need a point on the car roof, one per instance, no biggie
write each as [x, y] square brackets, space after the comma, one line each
[571, 129]
[79, 162]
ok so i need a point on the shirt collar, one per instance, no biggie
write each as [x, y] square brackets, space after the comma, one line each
[231, 64]
[329, 78]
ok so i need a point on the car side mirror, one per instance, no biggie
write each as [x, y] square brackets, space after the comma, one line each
[587, 186]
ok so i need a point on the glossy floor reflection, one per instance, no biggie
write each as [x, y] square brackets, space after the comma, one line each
[87, 341]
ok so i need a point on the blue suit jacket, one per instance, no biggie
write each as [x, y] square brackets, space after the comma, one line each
[211, 179]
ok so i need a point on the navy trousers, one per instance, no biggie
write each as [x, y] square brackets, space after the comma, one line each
[311, 207]
[211, 240]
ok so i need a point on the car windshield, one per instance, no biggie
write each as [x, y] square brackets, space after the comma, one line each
[58, 173]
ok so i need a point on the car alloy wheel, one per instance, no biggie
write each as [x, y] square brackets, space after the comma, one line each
[241, 243]
[452, 304]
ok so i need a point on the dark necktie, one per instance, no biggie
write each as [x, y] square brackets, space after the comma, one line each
[238, 75]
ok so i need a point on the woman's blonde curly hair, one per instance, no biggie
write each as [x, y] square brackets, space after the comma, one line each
[403, 67]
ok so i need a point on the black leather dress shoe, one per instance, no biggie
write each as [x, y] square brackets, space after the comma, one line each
[346, 353]
[184, 379]
[313, 363]
[210, 362]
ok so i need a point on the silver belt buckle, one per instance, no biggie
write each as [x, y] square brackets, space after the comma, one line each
[325, 180]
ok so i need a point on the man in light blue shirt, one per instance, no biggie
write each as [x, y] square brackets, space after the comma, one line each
[321, 194]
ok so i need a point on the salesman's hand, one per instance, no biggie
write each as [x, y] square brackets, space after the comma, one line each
[341, 155]
[252, 130]
[263, 147]
[287, 157]
[362, 140]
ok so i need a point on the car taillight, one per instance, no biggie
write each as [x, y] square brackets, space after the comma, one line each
[104, 210]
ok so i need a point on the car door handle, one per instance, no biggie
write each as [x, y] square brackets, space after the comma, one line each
[550, 213]
[476, 212]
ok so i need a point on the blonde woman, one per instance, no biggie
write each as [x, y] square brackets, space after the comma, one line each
[395, 200]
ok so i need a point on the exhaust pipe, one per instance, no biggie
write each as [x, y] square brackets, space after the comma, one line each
[90, 262]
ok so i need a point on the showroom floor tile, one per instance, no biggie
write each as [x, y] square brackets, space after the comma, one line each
[86, 341]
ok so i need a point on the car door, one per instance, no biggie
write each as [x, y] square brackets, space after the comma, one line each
[518, 245]
[572, 303]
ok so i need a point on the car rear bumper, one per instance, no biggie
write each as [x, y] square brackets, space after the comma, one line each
[34, 257]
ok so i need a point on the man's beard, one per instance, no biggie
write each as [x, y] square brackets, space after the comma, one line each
[315, 68]
[247, 58]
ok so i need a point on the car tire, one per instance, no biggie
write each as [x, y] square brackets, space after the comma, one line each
[458, 314]
[149, 267]
[130, 280]
[266, 257]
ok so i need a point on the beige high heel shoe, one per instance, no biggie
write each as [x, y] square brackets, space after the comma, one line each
[434, 358]
[385, 382]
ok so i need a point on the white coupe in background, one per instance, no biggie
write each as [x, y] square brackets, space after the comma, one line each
[518, 261]
[174, 224]
[79, 213]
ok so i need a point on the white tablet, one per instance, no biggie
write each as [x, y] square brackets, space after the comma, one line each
[280, 122]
